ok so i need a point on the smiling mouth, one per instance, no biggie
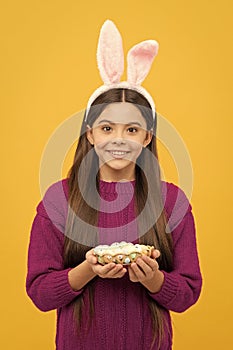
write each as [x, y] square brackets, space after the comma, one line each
[118, 153]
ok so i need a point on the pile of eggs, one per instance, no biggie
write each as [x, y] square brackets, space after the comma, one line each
[121, 252]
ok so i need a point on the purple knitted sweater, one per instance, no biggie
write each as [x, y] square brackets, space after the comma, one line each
[122, 318]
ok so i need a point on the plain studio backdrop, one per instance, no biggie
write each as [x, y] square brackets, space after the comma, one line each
[48, 71]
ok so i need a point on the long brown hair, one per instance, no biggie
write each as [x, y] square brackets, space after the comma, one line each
[74, 253]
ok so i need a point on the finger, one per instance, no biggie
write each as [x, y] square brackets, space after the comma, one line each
[118, 274]
[90, 252]
[90, 257]
[105, 269]
[155, 254]
[132, 275]
[137, 271]
[151, 263]
[92, 260]
[116, 271]
[143, 264]
[110, 271]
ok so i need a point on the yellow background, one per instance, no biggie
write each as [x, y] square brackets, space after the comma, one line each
[48, 71]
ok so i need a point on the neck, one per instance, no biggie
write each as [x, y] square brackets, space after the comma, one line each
[111, 175]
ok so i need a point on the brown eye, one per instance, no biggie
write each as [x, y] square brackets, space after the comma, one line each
[106, 128]
[132, 130]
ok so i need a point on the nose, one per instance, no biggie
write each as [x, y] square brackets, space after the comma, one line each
[118, 141]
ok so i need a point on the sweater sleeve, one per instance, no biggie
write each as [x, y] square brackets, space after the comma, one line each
[47, 281]
[182, 286]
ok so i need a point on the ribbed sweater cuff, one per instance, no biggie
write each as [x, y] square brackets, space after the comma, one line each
[64, 292]
[167, 292]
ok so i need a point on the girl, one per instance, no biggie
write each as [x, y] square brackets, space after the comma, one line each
[113, 192]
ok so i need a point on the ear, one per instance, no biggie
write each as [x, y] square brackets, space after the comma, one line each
[140, 58]
[148, 139]
[89, 135]
[110, 55]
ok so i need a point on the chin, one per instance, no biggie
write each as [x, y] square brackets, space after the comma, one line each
[119, 164]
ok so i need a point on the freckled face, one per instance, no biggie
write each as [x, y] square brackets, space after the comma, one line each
[118, 136]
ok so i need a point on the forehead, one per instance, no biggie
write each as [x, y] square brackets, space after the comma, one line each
[123, 113]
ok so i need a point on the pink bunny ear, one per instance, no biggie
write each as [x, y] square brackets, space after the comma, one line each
[140, 58]
[110, 55]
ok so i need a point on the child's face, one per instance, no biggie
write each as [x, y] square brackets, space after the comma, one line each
[118, 136]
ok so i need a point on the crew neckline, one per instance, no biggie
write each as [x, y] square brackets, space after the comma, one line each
[116, 186]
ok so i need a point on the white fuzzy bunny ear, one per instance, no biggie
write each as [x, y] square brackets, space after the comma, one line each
[140, 58]
[110, 55]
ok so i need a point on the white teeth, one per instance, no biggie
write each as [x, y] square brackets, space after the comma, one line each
[118, 153]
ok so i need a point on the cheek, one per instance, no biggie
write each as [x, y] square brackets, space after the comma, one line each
[100, 147]
[136, 149]
[98, 139]
[100, 143]
[136, 144]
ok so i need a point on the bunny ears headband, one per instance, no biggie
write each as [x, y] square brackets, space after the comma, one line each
[110, 60]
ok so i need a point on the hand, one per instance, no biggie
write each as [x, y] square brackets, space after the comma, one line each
[110, 270]
[146, 271]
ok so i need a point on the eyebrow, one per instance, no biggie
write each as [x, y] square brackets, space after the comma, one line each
[109, 122]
